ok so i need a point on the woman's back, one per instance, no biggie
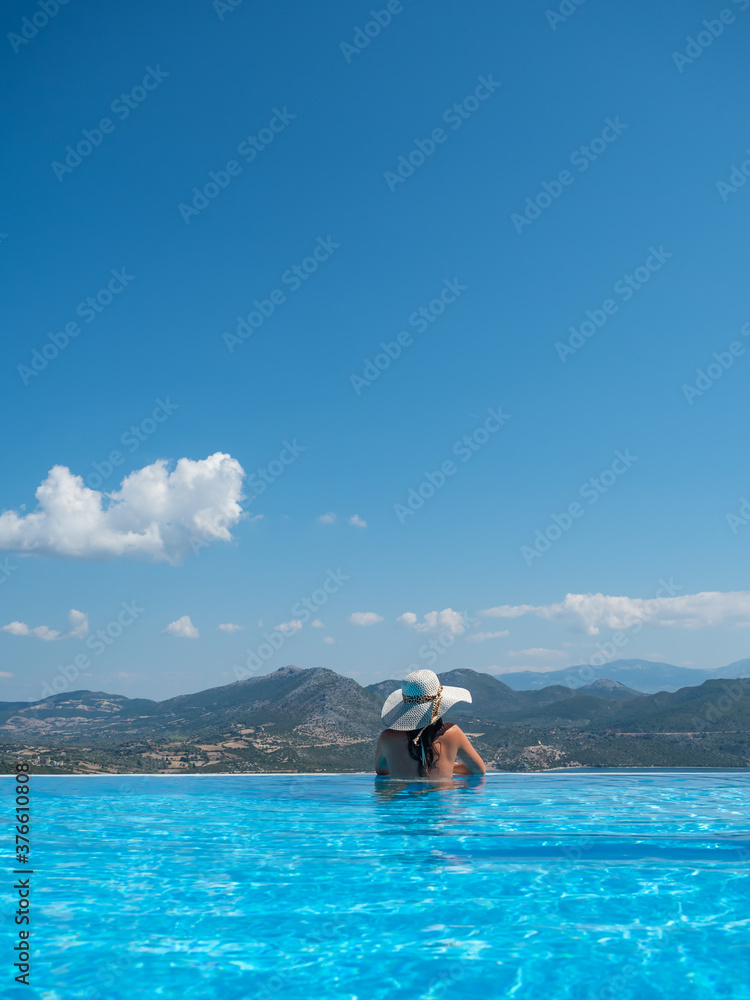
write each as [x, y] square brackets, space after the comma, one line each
[452, 753]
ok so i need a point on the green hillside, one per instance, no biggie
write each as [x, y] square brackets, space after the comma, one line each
[316, 719]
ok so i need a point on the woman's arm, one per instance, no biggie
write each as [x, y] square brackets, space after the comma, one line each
[471, 762]
[381, 764]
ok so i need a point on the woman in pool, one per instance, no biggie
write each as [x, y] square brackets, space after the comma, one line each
[417, 743]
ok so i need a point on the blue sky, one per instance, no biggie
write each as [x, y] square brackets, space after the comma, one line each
[555, 170]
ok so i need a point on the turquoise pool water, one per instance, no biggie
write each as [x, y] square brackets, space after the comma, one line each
[556, 886]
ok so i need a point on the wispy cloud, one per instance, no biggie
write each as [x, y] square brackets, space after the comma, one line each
[328, 518]
[289, 628]
[357, 521]
[446, 620]
[546, 654]
[183, 628]
[329, 640]
[78, 628]
[484, 636]
[590, 612]
[317, 623]
[231, 627]
[156, 514]
[364, 618]
[129, 676]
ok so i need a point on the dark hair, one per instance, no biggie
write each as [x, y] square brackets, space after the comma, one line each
[426, 743]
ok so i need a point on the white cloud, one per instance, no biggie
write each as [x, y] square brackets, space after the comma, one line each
[289, 628]
[363, 618]
[231, 627]
[42, 632]
[546, 654]
[328, 518]
[6, 673]
[317, 623]
[78, 624]
[78, 628]
[510, 610]
[183, 628]
[329, 639]
[484, 636]
[590, 612]
[447, 620]
[155, 513]
[357, 521]
[407, 618]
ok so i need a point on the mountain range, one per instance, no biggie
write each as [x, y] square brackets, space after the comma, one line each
[643, 675]
[316, 719]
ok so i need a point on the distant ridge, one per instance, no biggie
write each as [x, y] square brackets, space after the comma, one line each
[491, 697]
[647, 676]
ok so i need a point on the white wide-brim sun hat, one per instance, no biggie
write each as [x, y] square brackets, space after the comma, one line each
[419, 701]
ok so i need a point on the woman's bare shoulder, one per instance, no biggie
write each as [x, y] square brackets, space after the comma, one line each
[451, 730]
